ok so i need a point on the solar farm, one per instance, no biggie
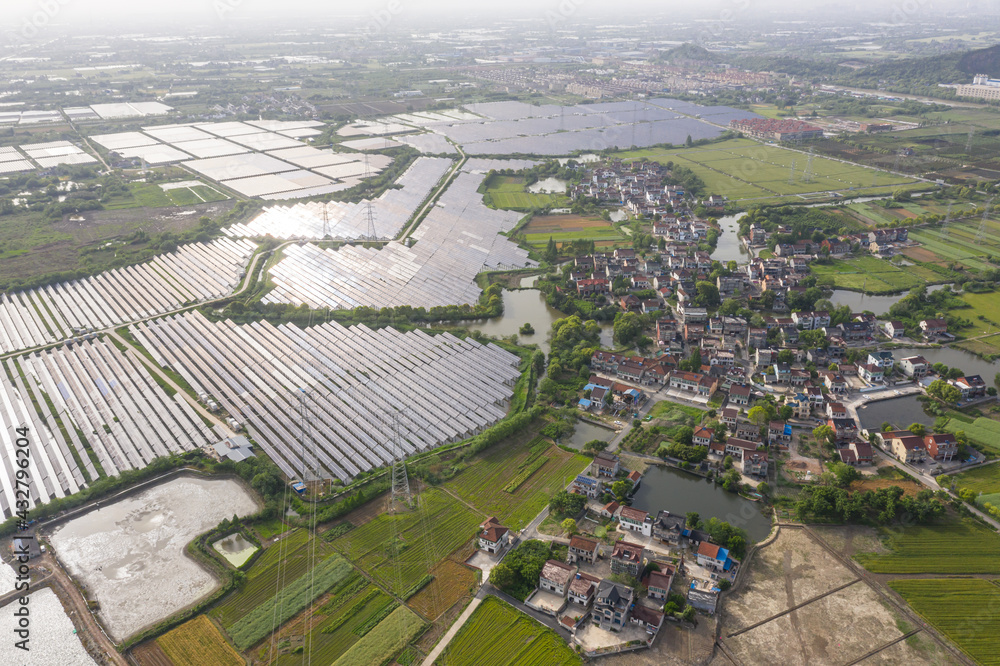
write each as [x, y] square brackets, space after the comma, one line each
[348, 221]
[41, 155]
[194, 273]
[519, 128]
[458, 240]
[445, 389]
[108, 405]
[261, 158]
[93, 112]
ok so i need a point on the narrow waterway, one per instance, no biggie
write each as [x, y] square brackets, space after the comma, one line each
[729, 247]
[667, 488]
[859, 302]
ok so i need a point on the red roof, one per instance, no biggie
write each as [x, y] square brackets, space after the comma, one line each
[707, 549]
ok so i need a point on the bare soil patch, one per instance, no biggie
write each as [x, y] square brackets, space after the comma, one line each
[555, 223]
[921, 254]
[910, 488]
[451, 582]
[150, 654]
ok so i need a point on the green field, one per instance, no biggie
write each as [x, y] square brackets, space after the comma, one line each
[872, 275]
[424, 536]
[291, 598]
[187, 196]
[482, 484]
[262, 577]
[335, 635]
[498, 635]
[960, 242]
[955, 548]
[985, 479]
[509, 192]
[965, 610]
[983, 432]
[385, 641]
[744, 169]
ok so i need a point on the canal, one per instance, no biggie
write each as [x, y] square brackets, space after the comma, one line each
[729, 248]
[680, 492]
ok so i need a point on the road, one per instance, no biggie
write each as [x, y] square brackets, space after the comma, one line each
[409, 229]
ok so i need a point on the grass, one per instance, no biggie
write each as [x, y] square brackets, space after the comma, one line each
[286, 558]
[967, 611]
[509, 192]
[197, 642]
[423, 536]
[954, 548]
[984, 479]
[669, 410]
[289, 600]
[982, 432]
[871, 275]
[385, 641]
[498, 635]
[482, 484]
[745, 169]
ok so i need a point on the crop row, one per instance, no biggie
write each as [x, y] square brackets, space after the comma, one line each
[385, 641]
[334, 624]
[965, 610]
[523, 475]
[198, 641]
[289, 600]
[955, 548]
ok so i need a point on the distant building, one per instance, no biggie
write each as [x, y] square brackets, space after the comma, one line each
[770, 129]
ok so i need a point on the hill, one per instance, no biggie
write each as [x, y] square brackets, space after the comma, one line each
[690, 53]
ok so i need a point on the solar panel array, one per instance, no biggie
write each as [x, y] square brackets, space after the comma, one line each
[516, 127]
[261, 158]
[130, 110]
[196, 272]
[348, 221]
[446, 388]
[457, 240]
[107, 401]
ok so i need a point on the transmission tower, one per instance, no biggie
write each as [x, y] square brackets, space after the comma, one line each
[807, 177]
[400, 481]
[326, 220]
[947, 219]
[981, 234]
[791, 174]
[895, 164]
[369, 212]
[968, 143]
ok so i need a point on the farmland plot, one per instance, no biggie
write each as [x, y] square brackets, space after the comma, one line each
[954, 548]
[196, 642]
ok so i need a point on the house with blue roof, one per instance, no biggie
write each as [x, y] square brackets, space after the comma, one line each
[716, 558]
[588, 485]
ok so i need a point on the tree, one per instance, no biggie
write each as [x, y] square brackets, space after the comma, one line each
[569, 526]
[628, 327]
[692, 520]
[758, 416]
[763, 488]
[567, 504]
[688, 141]
[503, 576]
[621, 490]
[688, 614]
[824, 433]
[846, 474]
[944, 391]
[707, 294]
[684, 435]
[727, 462]
[551, 251]
[786, 412]
[595, 445]
[917, 429]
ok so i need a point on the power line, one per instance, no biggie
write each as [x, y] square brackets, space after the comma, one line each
[981, 234]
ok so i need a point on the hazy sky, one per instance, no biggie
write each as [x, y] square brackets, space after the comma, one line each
[89, 13]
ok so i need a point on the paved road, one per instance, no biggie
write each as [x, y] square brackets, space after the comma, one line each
[450, 634]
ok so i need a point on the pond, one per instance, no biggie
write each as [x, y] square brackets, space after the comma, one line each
[585, 432]
[729, 247]
[880, 305]
[900, 412]
[235, 549]
[549, 186]
[969, 363]
[680, 492]
[130, 555]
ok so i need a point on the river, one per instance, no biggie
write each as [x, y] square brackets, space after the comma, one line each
[680, 492]
[729, 247]
[880, 305]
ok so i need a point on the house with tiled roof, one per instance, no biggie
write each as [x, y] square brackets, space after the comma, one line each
[612, 604]
[605, 465]
[702, 436]
[582, 589]
[648, 618]
[856, 454]
[627, 558]
[494, 537]
[909, 449]
[941, 446]
[715, 557]
[581, 549]
[555, 577]
[635, 520]
[658, 582]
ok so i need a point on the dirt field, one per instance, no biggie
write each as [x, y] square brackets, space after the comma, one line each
[838, 618]
[910, 488]
[451, 582]
[544, 224]
[150, 654]
[920, 254]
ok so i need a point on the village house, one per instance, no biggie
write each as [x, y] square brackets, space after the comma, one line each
[894, 329]
[972, 387]
[754, 463]
[729, 416]
[739, 447]
[627, 558]
[870, 372]
[909, 449]
[610, 510]
[668, 527]
[778, 431]
[933, 328]
[581, 549]
[836, 410]
[883, 358]
[712, 556]
[494, 537]
[588, 485]
[942, 446]
[746, 430]
[884, 439]
[555, 577]
[856, 454]
[702, 436]
[635, 520]
[582, 589]
[658, 582]
[844, 429]
[648, 618]
[605, 465]
[914, 366]
[612, 604]
[739, 395]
